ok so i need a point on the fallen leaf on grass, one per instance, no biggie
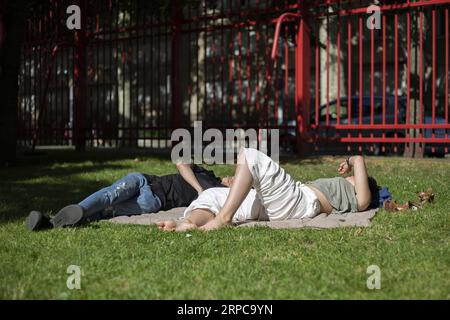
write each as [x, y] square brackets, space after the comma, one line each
[424, 197]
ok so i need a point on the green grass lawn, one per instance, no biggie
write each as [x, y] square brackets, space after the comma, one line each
[123, 261]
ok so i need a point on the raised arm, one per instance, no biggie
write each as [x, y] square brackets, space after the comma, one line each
[362, 189]
[188, 175]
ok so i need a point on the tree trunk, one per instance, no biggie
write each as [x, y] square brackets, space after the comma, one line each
[12, 18]
[415, 149]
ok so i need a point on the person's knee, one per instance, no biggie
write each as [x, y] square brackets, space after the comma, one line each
[149, 204]
[136, 177]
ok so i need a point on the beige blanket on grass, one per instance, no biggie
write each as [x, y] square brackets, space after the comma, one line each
[322, 221]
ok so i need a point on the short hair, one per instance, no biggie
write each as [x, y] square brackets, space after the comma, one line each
[374, 193]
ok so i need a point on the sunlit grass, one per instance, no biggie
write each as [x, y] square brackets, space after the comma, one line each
[122, 261]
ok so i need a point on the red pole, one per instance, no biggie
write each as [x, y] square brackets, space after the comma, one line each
[338, 94]
[317, 66]
[384, 77]
[372, 79]
[80, 83]
[349, 66]
[433, 79]
[327, 63]
[446, 73]
[408, 72]
[360, 76]
[395, 73]
[421, 60]
[302, 82]
[286, 81]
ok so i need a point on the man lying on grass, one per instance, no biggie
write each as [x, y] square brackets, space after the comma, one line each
[134, 194]
[276, 196]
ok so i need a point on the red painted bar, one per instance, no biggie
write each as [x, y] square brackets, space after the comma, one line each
[360, 74]
[230, 77]
[317, 67]
[421, 61]
[338, 48]
[384, 77]
[276, 37]
[395, 74]
[408, 72]
[258, 71]
[446, 73]
[349, 66]
[396, 140]
[433, 79]
[388, 126]
[372, 71]
[272, 79]
[268, 63]
[239, 36]
[249, 76]
[388, 7]
[327, 66]
[296, 95]
[302, 81]
[286, 80]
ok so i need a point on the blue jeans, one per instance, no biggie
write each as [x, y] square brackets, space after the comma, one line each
[130, 195]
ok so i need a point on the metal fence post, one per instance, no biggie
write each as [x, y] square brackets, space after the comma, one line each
[80, 81]
[176, 111]
[302, 96]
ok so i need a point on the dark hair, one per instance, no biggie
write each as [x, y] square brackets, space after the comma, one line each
[374, 194]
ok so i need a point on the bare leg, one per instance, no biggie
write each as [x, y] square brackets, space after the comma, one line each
[242, 184]
[200, 217]
[197, 218]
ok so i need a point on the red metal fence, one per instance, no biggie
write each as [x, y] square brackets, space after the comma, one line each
[139, 69]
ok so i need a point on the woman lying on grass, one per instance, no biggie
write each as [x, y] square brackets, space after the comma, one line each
[276, 196]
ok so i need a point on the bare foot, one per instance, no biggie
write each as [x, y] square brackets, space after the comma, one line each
[179, 226]
[216, 223]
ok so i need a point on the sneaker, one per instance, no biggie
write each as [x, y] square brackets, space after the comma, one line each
[38, 221]
[69, 216]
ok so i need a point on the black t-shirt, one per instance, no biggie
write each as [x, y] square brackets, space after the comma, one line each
[174, 191]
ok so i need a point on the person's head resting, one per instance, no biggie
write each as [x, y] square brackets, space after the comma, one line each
[374, 193]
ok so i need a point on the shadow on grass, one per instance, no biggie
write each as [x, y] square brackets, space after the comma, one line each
[43, 157]
[46, 189]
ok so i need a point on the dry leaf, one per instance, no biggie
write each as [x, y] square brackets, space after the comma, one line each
[427, 196]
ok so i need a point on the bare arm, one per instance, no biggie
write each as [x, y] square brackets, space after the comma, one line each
[363, 195]
[188, 175]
